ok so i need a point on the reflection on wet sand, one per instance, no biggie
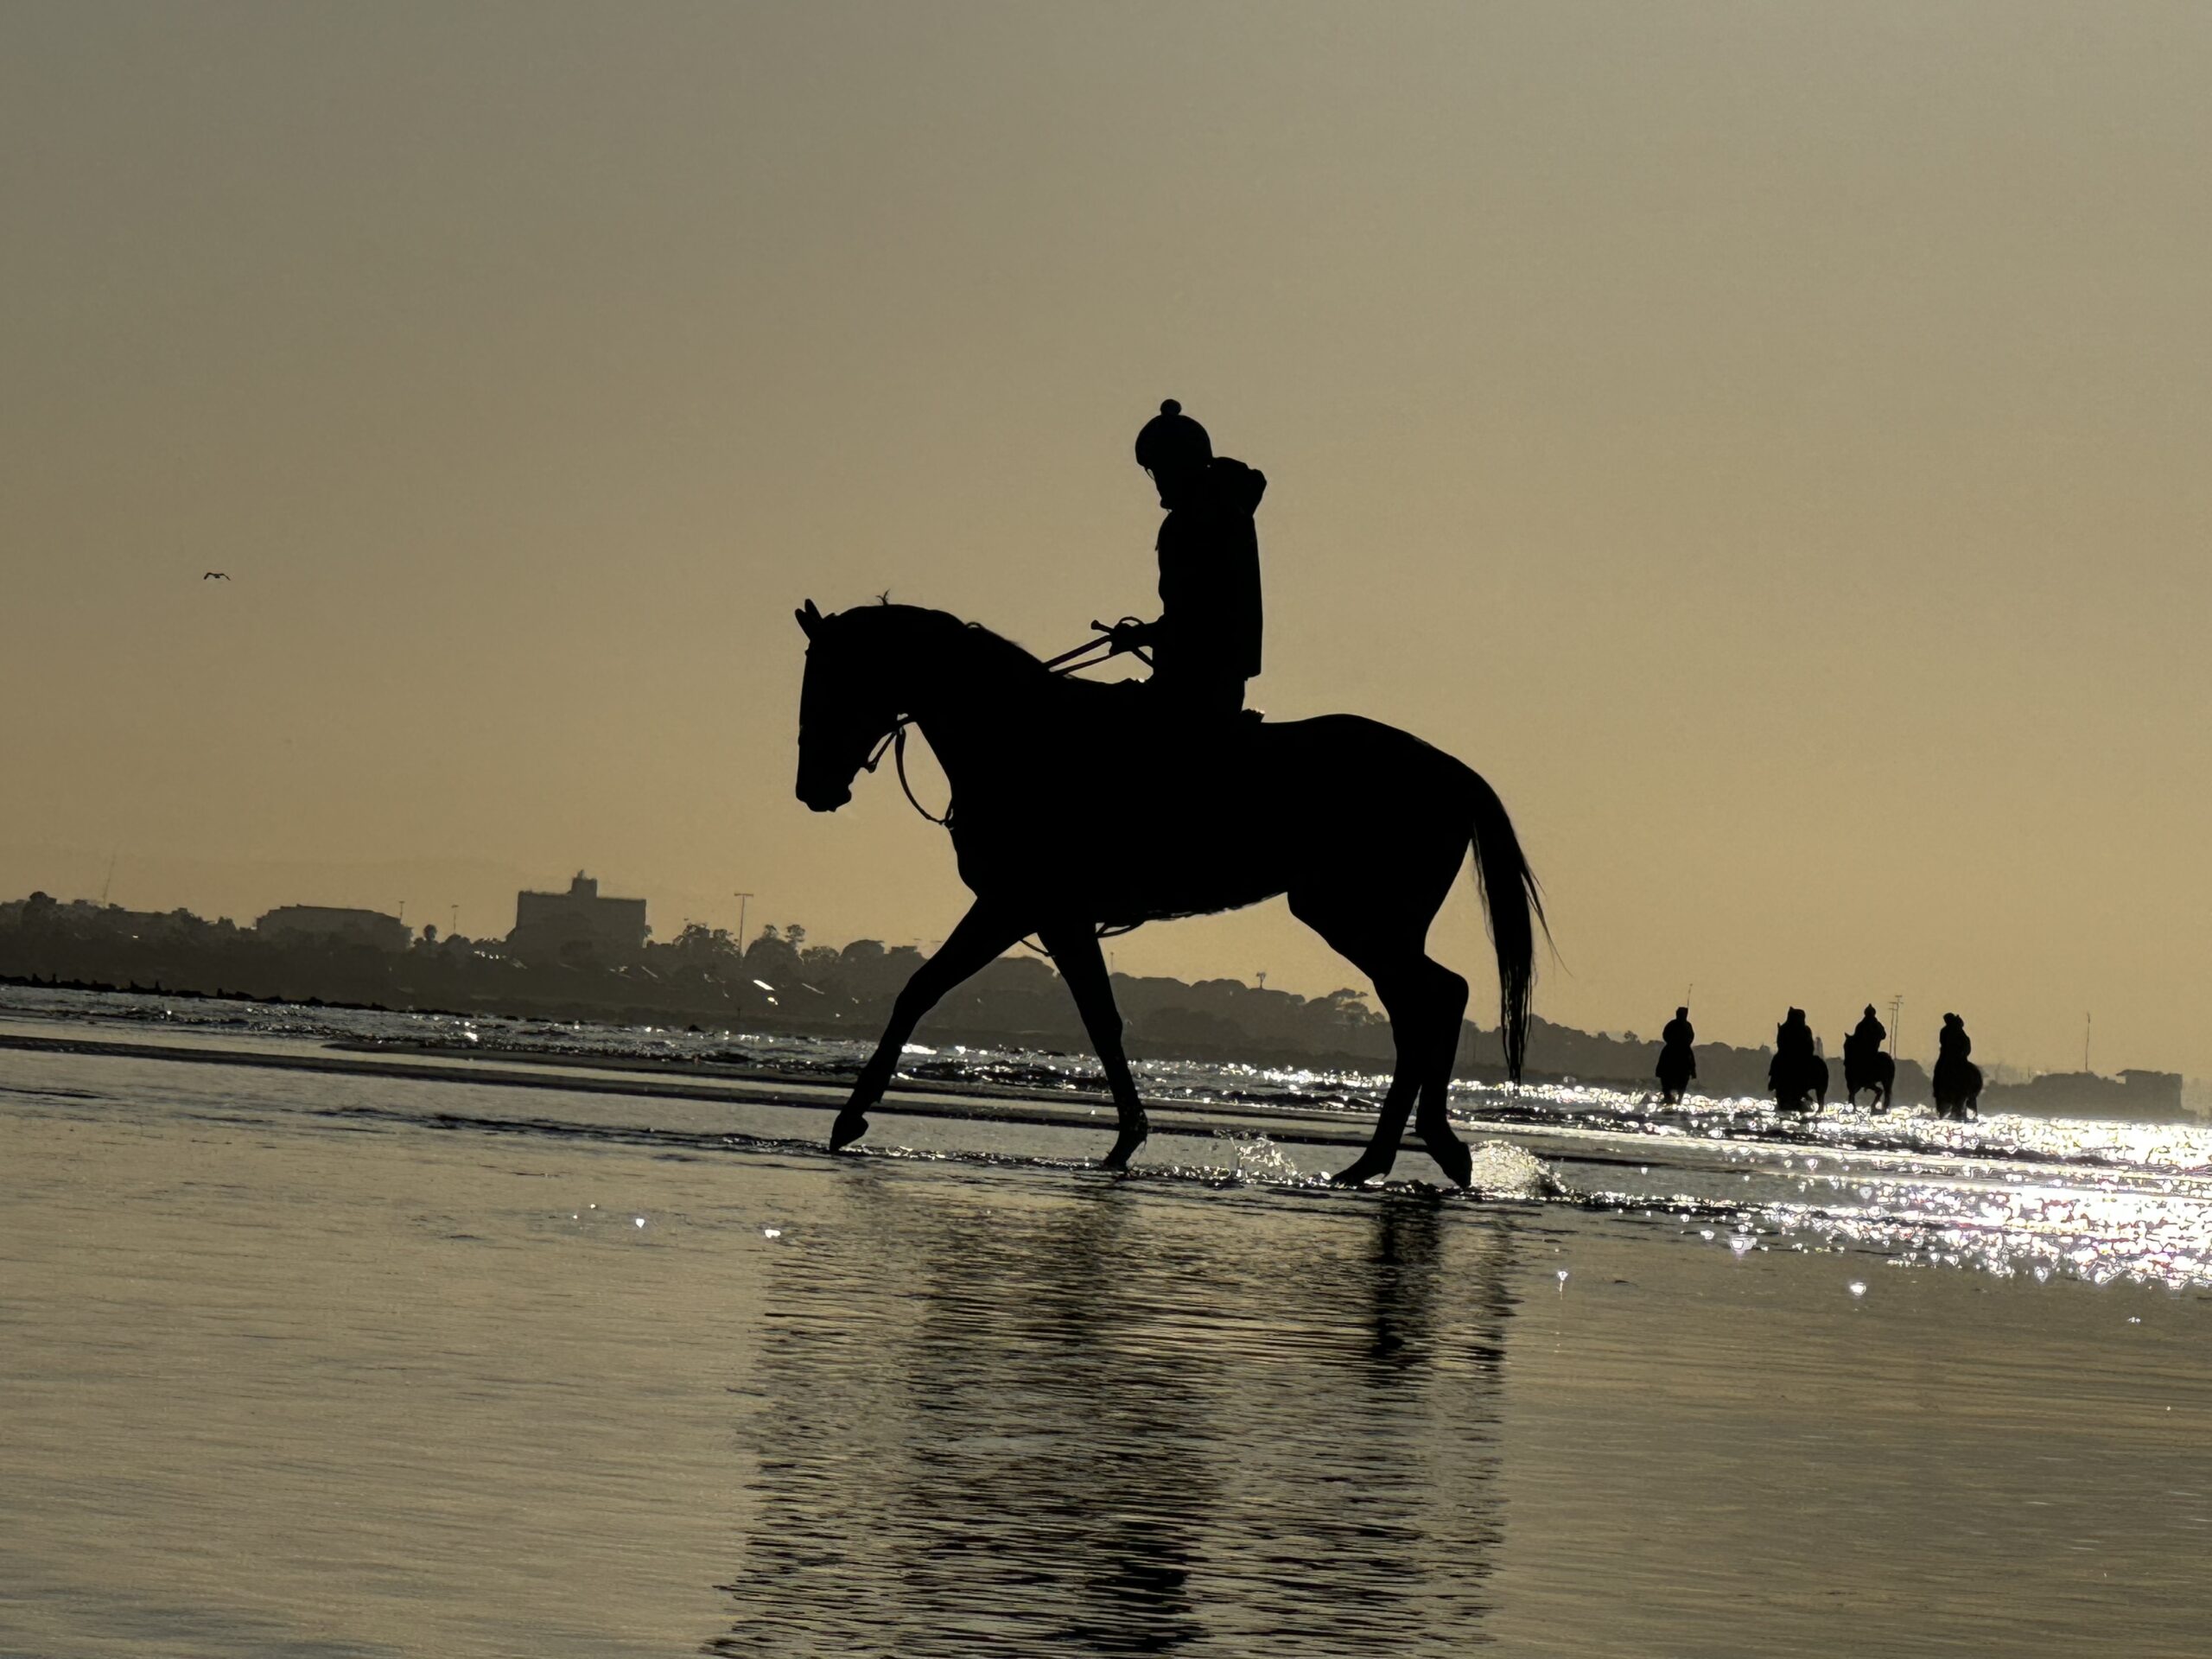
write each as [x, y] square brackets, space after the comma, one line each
[1091, 1421]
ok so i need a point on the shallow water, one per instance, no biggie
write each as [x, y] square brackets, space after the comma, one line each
[309, 1363]
[2007, 1194]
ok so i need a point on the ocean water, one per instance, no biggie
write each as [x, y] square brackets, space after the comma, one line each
[583, 1347]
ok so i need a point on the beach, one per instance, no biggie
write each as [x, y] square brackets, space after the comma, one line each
[310, 1362]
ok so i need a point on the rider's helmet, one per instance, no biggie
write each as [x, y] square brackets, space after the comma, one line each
[1172, 440]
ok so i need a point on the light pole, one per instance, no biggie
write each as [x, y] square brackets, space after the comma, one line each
[743, 899]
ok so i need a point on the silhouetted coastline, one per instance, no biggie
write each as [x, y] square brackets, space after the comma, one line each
[782, 983]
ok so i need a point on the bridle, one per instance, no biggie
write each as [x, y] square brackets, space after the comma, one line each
[895, 741]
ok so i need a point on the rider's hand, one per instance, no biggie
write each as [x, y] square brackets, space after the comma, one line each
[1128, 635]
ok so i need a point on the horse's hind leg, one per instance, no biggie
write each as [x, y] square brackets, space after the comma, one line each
[1432, 1123]
[1075, 954]
[1409, 1037]
[1405, 984]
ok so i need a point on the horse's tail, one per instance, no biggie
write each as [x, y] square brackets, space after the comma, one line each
[1515, 906]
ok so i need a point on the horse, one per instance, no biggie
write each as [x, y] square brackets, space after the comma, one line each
[1800, 1085]
[1081, 806]
[1957, 1085]
[1677, 1065]
[1877, 1071]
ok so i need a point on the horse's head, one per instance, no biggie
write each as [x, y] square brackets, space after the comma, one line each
[870, 668]
[845, 706]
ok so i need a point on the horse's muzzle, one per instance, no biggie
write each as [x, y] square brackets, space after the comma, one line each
[826, 797]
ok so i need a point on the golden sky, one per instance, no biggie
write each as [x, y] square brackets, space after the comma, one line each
[1769, 442]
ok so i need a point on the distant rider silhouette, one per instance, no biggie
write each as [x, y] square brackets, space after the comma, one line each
[1677, 1056]
[1206, 644]
[1868, 1036]
[1952, 1043]
[1957, 1080]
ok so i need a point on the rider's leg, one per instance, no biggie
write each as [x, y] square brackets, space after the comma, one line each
[1075, 952]
[981, 934]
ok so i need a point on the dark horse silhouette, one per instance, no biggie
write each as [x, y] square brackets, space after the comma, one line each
[1677, 1065]
[1957, 1085]
[1800, 1081]
[1078, 806]
[1877, 1071]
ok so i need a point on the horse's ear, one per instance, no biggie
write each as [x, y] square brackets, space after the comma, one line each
[809, 619]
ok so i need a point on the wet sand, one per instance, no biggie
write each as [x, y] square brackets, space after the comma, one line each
[311, 1364]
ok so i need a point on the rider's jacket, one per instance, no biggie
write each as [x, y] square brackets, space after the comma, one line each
[1209, 627]
[1867, 1037]
[1679, 1033]
[1952, 1043]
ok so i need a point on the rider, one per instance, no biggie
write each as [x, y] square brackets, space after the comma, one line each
[1206, 642]
[1952, 1043]
[1679, 1033]
[1866, 1039]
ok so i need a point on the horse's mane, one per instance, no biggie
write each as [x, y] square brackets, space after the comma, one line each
[959, 643]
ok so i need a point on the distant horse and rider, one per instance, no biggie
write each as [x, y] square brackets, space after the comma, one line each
[1797, 1076]
[1677, 1058]
[1957, 1080]
[1198, 822]
[1867, 1065]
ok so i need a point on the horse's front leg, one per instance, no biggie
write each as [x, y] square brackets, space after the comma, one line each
[981, 934]
[1075, 952]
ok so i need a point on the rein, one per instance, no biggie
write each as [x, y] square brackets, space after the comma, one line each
[1065, 662]
[895, 741]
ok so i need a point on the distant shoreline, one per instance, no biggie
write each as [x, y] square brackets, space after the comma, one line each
[2036, 1099]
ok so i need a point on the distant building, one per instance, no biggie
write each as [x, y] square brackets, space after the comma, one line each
[2135, 1095]
[577, 923]
[2153, 1091]
[328, 925]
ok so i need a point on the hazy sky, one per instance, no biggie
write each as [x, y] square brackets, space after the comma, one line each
[1769, 442]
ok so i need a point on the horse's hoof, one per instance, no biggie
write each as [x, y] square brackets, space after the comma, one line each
[1125, 1145]
[1455, 1161]
[1369, 1167]
[848, 1127]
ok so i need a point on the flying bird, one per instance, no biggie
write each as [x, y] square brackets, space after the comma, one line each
[216, 575]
